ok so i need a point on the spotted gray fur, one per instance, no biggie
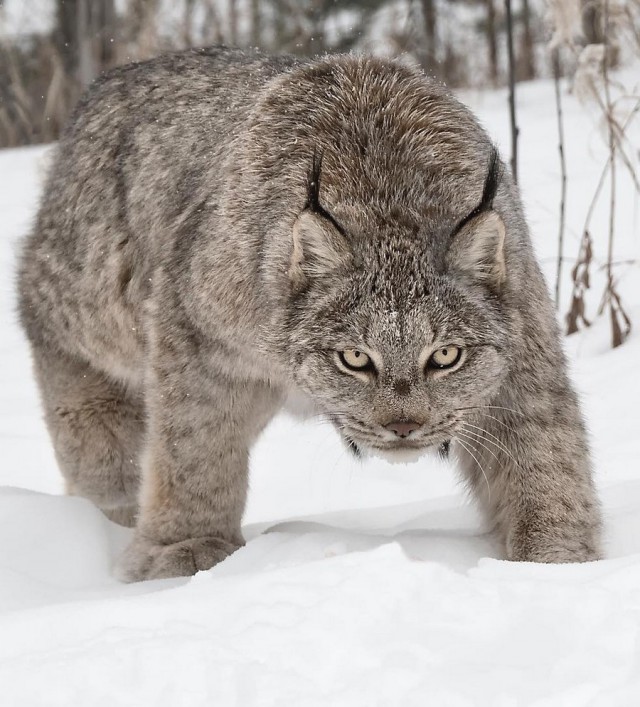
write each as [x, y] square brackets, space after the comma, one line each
[218, 224]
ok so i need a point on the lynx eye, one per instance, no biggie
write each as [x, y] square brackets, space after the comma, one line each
[355, 360]
[445, 357]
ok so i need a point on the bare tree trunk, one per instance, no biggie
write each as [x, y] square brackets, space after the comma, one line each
[620, 322]
[592, 25]
[256, 24]
[492, 41]
[141, 27]
[527, 63]
[317, 41]
[66, 34]
[279, 25]
[233, 22]
[212, 33]
[512, 93]
[107, 21]
[85, 36]
[187, 23]
[87, 68]
[431, 33]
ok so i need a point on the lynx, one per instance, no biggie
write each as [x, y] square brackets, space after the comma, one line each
[221, 228]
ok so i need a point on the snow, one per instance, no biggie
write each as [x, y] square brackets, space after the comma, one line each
[361, 583]
[24, 17]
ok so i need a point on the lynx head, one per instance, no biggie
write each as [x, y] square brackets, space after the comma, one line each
[395, 329]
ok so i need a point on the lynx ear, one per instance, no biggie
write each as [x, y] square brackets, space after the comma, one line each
[318, 249]
[477, 250]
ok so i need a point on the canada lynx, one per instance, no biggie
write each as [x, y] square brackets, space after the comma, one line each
[220, 228]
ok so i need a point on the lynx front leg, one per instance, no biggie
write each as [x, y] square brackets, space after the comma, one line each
[528, 461]
[195, 473]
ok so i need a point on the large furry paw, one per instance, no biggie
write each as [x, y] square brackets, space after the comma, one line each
[146, 559]
[553, 548]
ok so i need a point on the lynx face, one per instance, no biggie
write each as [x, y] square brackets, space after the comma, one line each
[397, 343]
[399, 374]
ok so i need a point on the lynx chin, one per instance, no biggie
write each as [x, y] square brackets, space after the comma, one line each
[222, 228]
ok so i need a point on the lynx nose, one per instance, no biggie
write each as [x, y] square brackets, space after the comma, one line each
[403, 428]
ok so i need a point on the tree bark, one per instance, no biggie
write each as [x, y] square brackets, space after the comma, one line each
[256, 24]
[592, 24]
[66, 34]
[431, 33]
[528, 62]
[84, 37]
[512, 94]
[187, 23]
[233, 22]
[492, 41]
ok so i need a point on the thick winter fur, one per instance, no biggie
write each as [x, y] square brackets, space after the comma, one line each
[217, 226]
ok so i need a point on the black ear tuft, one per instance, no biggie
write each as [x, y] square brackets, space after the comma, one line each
[491, 184]
[313, 183]
[313, 192]
[477, 246]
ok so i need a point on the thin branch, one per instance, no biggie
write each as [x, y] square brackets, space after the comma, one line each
[512, 94]
[563, 170]
[620, 322]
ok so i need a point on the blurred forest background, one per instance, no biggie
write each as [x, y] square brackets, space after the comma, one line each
[50, 50]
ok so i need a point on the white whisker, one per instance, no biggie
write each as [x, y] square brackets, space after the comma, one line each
[495, 441]
[492, 407]
[470, 439]
[486, 478]
[493, 417]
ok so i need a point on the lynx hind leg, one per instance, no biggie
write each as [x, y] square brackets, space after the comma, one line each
[96, 427]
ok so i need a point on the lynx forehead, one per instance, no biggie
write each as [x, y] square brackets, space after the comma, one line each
[220, 228]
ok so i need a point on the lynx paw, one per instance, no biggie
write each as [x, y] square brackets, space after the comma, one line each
[145, 559]
[522, 547]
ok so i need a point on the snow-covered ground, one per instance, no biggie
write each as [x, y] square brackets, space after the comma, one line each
[360, 584]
